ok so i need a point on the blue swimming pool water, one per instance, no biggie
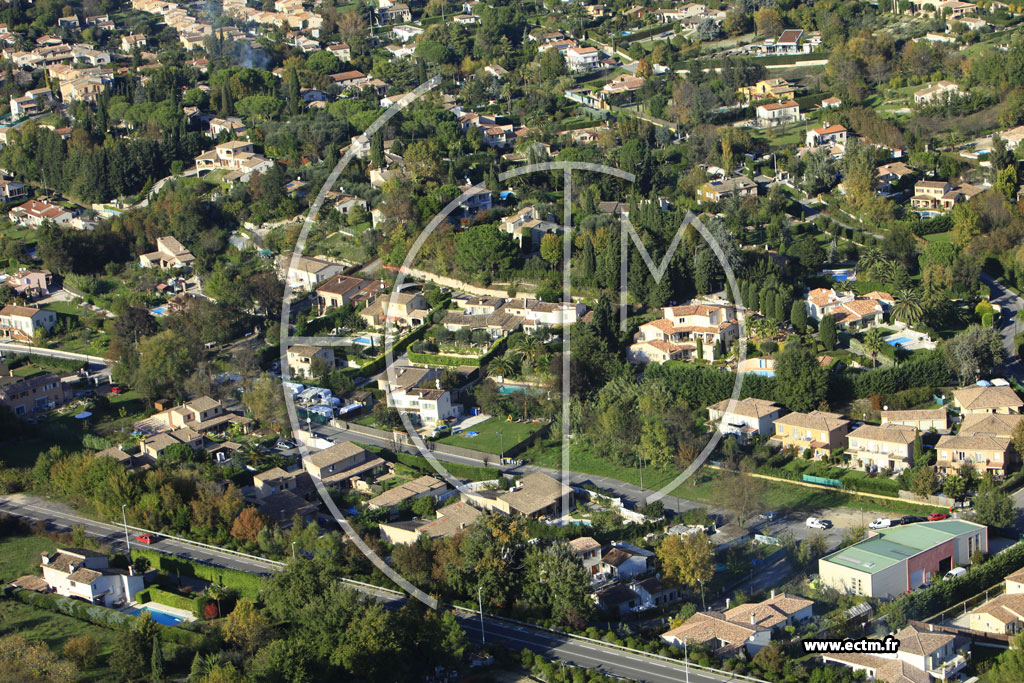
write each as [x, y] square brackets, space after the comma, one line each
[158, 616]
[898, 340]
[159, 310]
[363, 340]
[766, 373]
[510, 389]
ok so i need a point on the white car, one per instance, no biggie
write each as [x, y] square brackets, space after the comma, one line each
[880, 523]
[815, 523]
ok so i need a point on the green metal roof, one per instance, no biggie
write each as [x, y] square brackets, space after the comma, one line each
[895, 545]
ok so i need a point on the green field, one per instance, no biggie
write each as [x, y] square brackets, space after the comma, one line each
[56, 629]
[943, 237]
[493, 435]
[19, 555]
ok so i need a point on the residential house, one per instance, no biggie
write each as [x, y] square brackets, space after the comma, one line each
[777, 113]
[343, 465]
[155, 445]
[231, 125]
[582, 58]
[1002, 615]
[923, 656]
[848, 309]
[170, 253]
[420, 487]
[20, 323]
[345, 203]
[623, 83]
[746, 418]
[87, 575]
[528, 227]
[890, 176]
[818, 431]
[617, 600]
[893, 561]
[1014, 583]
[496, 324]
[722, 636]
[238, 156]
[827, 136]
[203, 415]
[11, 191]
[976, 400]
[776, 612]
[537, 314]
[395, 14]
[117, 454]
[429, 405]
[475, 198]
[36, 393]
[774, 88]
[882, 448]
[589, 552]
[928, 194]
[404, 34]
[790, 42]
[305, 273]
[936, 91]
[84, 88]
[31, 103]
[831, 103]
[696, 330]
[451, 520]
[986, 454]
[535, 495]
[936, 419]
[719, 190]
[30, 282]
[301, 358]
[134, 41]
[35, 212]
[653, 592]
[625, 561]
[404, 309]
[990, 424]
[342, 290]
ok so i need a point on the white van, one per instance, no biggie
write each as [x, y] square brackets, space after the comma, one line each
[955, 572]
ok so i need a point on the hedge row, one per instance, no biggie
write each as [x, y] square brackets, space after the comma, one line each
[101, 616]
[923, 603]
[926, 371]
[852, 480]
[154, 594]
[420, 464]
[246, 584]
[441, 359]
[377, 365]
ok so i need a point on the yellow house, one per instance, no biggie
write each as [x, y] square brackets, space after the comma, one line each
[771, 87]
[819, 431]
[983, 453]
[889, 447]
[979, 400]
[1003, 615]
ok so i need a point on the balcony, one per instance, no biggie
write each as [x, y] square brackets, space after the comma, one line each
[951, 668]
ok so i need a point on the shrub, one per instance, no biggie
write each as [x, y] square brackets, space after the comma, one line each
[247, 585]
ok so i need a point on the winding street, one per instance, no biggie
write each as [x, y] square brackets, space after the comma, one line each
[1011, 304]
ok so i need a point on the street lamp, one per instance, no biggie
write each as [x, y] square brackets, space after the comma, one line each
[293, 549]
[703, 605]
[124, 518]
[480, 601]
[686, 659]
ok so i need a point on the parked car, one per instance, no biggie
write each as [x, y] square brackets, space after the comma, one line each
[85, 393]
[148, 539]
[936, 516]
[815, 523]
[955, 572]
[911, 519]
[766, 517]
[115, 389]
[881, 523]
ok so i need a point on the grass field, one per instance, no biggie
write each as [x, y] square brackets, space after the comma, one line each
[19, 555]
[940, 237]
[56, 629]
[493, 435]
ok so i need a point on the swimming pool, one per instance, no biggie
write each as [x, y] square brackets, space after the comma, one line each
[159, 310]
[764, 373]
[898, 341]
[510, 389]
[365, 341]
[158, 616]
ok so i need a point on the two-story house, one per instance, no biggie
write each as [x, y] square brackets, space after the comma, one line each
[625, 561]
[343, 464]
[37, 393]
[932, 419]
[928, 194]
[341, 290]
[986, 454]
[35, 212]
[170, 253]
[20, 323]
[695, 331]
[882, 448]
[818, 431]
[746, 418]
[30, 282]
[720, 190]
[1003, 614]
[777, 113]
[923, 655]
[528, 227]
[582, 58]
[826, 136]
[987, 400]
[87, 575]
[302, 357]
[404, 309]
[305, 273]
[589, 552]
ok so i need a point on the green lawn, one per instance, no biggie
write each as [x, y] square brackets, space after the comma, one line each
[943, 237]
[19, 555]
[55, 629]
[493, 435]
[65, 307]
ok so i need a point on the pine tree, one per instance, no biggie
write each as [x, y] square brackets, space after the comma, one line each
[225, 101]
[157, 664]
[798, 316]
[377, 150]
[827, 332]
[779, 313]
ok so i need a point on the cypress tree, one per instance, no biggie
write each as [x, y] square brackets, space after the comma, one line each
[157, 663]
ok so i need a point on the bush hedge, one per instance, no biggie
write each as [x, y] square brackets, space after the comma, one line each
[101, 616]
[923, 603]
[154, 594]
[246, 584]
[377, 365]
[928, 370]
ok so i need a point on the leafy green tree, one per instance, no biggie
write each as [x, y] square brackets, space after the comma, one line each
[801, 382]
[687, 560]
[974, 353]
[556, 579]
[827, 333]
[993, 507]
[962, 484]
[485, 250]
[798, 316]
[166, 359]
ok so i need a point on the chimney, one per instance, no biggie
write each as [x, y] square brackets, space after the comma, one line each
[46, 559]
[931, 627]
[753, 619]
[728, 601]
[773, 594]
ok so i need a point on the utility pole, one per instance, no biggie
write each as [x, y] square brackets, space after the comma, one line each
[480, 602]
[293, 550]
[124, 518]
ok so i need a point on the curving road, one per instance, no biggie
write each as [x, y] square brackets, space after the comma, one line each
[1011, 304]
[627, 664]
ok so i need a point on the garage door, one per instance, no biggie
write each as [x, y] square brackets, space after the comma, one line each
[916, 578]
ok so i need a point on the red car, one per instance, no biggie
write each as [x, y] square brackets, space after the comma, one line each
[146, 538]
[116, 389]
[936, 516]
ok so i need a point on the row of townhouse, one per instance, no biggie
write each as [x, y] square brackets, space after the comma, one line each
[984, 441]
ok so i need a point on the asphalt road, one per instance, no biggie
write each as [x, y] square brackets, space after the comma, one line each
[516, 637]
[1008, 326]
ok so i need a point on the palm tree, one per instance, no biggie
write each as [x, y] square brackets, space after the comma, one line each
[504, 366]
[869, 258]
[873, 343]
[908, 308]
[529, 349]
